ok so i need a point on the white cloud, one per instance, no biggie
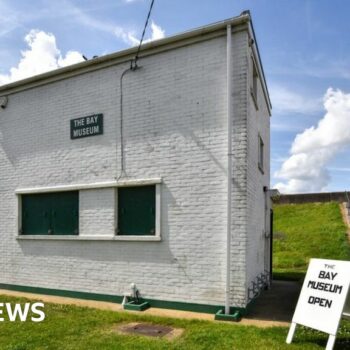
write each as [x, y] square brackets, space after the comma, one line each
[306, 169]
[156, 33]
[286, 101]
[71, 57]
[91, 22]
[128, 36]
[41, 56]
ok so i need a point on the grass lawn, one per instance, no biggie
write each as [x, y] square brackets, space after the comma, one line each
[304, 231]
[78, 328]
[301, 232]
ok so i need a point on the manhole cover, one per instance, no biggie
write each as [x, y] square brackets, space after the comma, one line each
[150, 330]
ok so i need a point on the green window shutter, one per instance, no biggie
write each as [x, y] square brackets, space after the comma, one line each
[50, 213]
[36, 214]
[136, 210]
[65, 213]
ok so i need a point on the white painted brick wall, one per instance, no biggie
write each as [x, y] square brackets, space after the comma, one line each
[97, 212]
[239, 170]
[174, 128]
[257, 244]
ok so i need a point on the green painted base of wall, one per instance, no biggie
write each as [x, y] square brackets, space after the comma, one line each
[183, 306]
[132, 305]
[163, 304]
[234, 317]
[63, 293]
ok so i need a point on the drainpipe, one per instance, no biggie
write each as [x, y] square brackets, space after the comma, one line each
[229, 168]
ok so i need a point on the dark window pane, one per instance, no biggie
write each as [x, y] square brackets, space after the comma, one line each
[136, 210]
[50, 213]
[65, 213]
[36, 214]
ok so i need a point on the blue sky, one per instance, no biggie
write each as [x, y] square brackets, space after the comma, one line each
[304, 46]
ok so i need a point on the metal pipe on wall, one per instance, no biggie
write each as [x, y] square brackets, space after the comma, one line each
[229, 168]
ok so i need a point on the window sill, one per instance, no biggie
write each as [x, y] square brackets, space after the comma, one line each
[137, 238]
[88, 238]
[89, 186]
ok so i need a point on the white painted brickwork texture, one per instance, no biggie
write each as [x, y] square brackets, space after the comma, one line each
[96, 212]
[174, 128]
[239, 171]
[258, 226]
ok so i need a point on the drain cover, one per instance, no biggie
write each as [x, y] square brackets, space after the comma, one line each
[147, 329]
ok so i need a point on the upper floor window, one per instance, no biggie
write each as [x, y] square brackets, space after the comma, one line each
[261, 154]
[254, 83]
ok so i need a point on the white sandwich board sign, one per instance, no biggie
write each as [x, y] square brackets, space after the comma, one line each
[322, 298]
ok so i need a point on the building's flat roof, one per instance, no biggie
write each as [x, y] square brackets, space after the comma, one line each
[178, 40]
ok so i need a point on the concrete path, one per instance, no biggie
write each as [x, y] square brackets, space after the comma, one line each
[277, 303]
[251, 321]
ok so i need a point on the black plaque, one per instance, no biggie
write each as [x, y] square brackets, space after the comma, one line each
[91, 125]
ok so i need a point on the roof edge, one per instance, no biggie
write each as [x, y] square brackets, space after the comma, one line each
[257, 54]
[121, 56]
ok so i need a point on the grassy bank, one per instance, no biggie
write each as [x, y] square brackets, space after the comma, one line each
[304, 231]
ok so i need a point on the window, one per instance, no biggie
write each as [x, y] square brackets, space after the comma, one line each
[137, 210]
[254, 84]
[50, 213]
[261, 154]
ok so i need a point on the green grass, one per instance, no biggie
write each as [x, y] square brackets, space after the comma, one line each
[301, 232]
[304, 231]
[78, 328]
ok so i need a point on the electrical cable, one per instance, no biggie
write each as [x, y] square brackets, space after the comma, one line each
[133, 67]
[134, 61]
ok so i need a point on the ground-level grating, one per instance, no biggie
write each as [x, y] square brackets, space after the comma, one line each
[150, 330]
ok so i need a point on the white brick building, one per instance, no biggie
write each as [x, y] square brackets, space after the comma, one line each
[73, 222]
